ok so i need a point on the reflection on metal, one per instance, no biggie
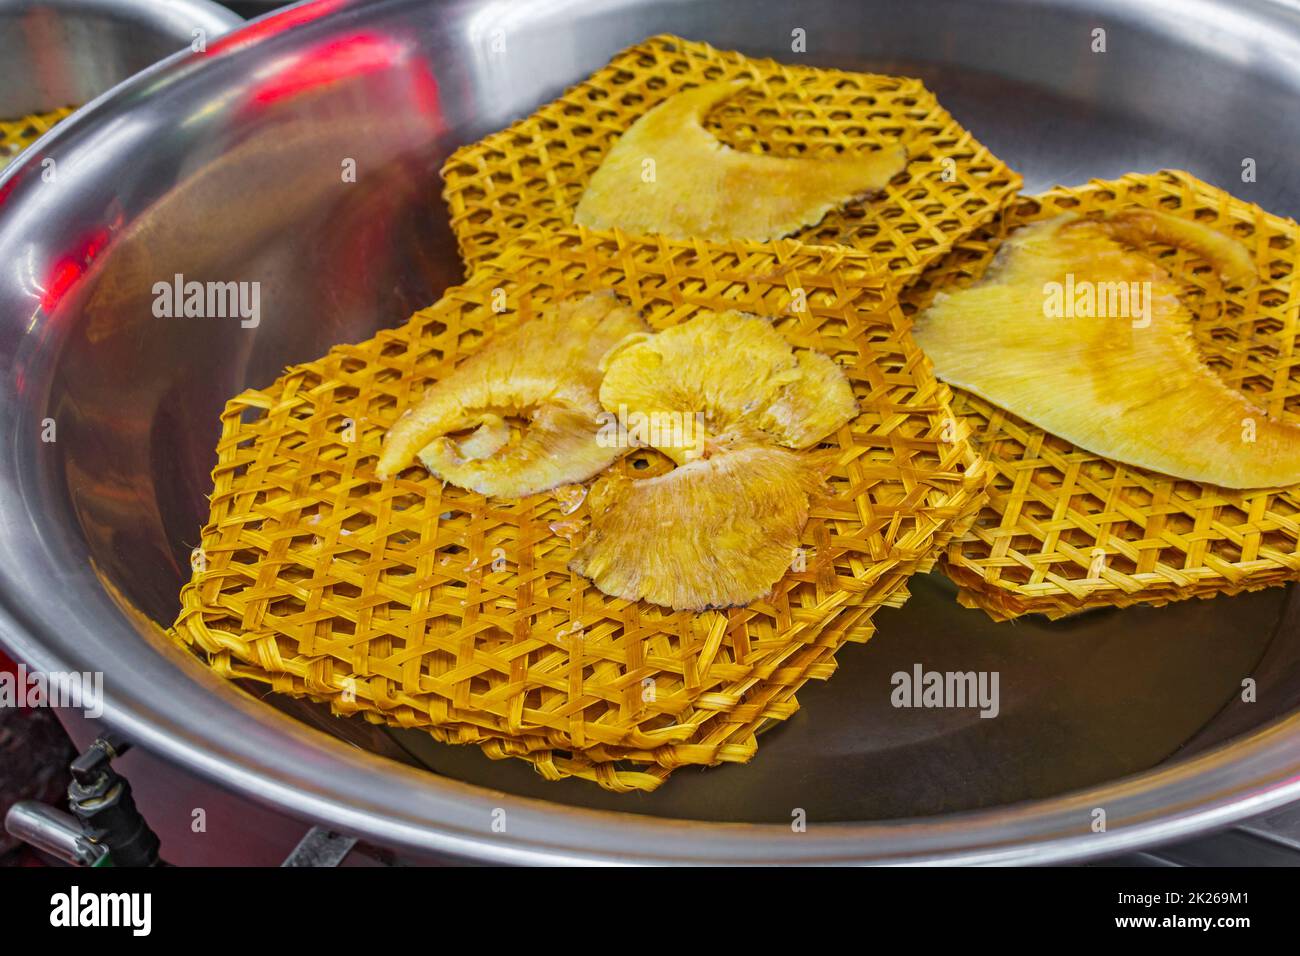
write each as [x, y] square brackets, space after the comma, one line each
[248, 191]
[54, 53]
[54, 832]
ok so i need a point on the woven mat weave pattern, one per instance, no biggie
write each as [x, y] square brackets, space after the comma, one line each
[1066, 530]
[16, 135]
[729, 735]
[427, 606]
[533, 173]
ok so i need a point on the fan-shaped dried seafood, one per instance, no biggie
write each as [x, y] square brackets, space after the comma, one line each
[1077, 333]
[669, 175]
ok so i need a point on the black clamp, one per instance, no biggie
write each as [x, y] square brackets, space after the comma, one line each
[101, 800]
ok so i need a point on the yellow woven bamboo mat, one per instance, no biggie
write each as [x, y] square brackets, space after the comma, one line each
[1066, 530]
[16, 135]
[533, 173]
[729, 734]
[430, 606]
[724, 737]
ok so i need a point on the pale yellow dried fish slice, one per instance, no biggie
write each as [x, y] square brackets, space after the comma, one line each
[723, 528]
[732, 369]
[1140, 227]
[669, 175]
[545, 370]
[1088, 339]
[559, 445]
[724, 523]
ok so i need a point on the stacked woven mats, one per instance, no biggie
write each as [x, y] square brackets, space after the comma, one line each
[419, 605]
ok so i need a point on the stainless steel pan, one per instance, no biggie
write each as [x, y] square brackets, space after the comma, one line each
[226, 165]
[56, 53]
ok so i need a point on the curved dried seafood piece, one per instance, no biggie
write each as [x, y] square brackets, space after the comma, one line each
[725, 526]
[559, 445]
[1139, 227]
[669, 175]
[546, 371]
[492, 434]
[1087, 339]
[733, 369]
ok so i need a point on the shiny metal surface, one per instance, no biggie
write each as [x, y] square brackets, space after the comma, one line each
[56, 53]
[53, 831]
[226, 166]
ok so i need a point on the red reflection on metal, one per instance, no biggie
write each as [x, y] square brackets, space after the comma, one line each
[425, 87]
[63, 277]
[273, 24]
[328, 62]
[68, 269]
